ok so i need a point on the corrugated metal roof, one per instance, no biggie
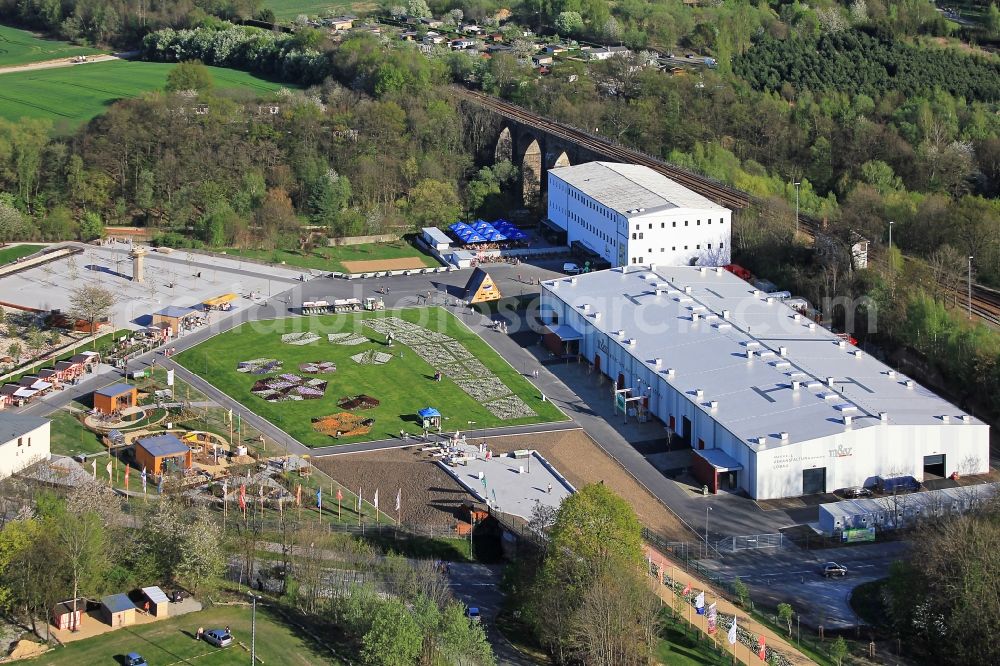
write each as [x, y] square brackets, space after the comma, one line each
[631, 189]
[114, 389]
[175, 311]
[117, 603]
[160, 446]
[155, 594]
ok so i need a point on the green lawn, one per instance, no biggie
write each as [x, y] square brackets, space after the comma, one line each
[71, 95]
[69, 437]
[290, 9]
[680, 648]
[330, 258]
[19, 47]
[172, 642]
[15, 252]
[403, 385]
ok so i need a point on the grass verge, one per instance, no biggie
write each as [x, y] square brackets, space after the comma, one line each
[69, 437]
[15, 252]
[332, 258]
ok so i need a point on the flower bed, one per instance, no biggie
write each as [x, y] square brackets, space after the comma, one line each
[288, 387]
[343, 425]
[350, 403]
[345, 339]
[318, 367]
[509, 407]
[299, 338]
[259, 366]
[372, 357]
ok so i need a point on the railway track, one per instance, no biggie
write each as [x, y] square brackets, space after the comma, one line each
[985, 301]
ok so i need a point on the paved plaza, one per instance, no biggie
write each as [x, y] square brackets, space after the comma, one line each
[179, 278]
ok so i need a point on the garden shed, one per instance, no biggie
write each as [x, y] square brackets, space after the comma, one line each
[155, 601]
[115, 398]
[160, 451]
[118, 610]
[481, 288]
[64, 617]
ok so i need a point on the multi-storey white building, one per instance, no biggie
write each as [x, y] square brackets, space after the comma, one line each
[630, 214]
[770, 402]
[24, 440]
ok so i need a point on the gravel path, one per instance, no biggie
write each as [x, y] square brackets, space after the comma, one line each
[58, 62]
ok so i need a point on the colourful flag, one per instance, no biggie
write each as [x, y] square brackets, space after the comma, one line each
[243, 497]
[699, 603]
[298, 495]
[761, 648]
[399, 499]
[127, 468]
[340, 495]
[229, 416]
[94, 465]
[376, 500]
[687, 590]
[319, 499]
[261, 493]
[109, 470]
[732, 632]
[359, 499]
[711, 616]
[143, 475]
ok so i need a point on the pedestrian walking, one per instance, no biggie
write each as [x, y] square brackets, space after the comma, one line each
[198, 634]
[550, 489]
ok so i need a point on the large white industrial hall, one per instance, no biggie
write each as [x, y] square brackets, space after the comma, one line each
[770, 402]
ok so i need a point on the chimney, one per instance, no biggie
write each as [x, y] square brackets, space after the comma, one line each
[858, 353]
[891, 374]
[812, 326]
[782, 351]
[842, 344]
[847, 419]
[829, 381]
[687, 289]
[966, 418]
[762, 441]
[784, 436]
[699, 394]
[572, 280]
[702, 270]
[725, 314]
[750, 354]
[586, 307]
[597, 315]
[657, 362]
[652, 266]
[770, 300]
[796, 385]
[796, 317]
[910, 384]
[694, 316]
[671, 372]
[945, 418]
[883, 417]
[713, 405]
[718, 270]
[756, 292]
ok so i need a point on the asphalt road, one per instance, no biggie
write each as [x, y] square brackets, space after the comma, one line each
[792, 575]
[478, 585]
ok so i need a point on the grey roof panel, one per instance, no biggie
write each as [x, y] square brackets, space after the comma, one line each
[13, 426]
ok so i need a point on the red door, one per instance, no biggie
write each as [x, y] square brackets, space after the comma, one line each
[621, 381]
[597, 362]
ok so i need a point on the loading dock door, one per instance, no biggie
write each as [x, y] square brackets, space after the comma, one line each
[686, 430]
[934, 465]
[814, 481]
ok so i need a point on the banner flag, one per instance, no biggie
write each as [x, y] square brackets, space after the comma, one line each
[711, 615]
[699, 603]
[761, 648]
[732, 632]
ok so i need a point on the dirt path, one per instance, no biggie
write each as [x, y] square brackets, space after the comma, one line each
[59, 62]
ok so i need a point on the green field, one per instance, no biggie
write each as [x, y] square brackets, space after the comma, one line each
[15, 252]
[290, 9]
[403, 385]
[172, 641]
[69, 437]
[19, 47]
[71, 95]
[330, 258]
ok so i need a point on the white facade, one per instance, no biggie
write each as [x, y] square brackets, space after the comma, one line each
[25, 441]
[790, 407]
[630, 215]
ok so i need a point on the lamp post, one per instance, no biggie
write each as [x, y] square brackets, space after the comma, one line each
[890, 234]
[970, 286]
[707, 509]
[797, 185]
[253, 629]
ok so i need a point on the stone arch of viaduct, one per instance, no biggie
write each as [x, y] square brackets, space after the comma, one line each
[534, 151]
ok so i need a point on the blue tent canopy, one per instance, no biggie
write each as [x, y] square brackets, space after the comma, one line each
[428, 413]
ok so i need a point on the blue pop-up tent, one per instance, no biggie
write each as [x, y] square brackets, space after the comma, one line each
[429, 417]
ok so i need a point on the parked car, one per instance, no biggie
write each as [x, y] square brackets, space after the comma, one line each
[570, 268]
[135, 659]
[897, 485]
[854, 493]
[832, 569]
[473, 614]
[218, 637]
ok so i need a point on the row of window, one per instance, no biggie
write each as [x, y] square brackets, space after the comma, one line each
[663, 225]
[592, 228]
[640, 260]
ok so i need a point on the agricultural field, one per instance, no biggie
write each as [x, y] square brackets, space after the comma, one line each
[69, 96]
[172, 642]
[290, 382]
[288, 10]
[20, 47]
[334, 258]
[15, 252]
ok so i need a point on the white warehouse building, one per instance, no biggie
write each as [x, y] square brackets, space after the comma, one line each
[770, 402]
[629, 214]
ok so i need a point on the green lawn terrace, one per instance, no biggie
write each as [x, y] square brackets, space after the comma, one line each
[69, 96]
[20, 47]
[434, 360]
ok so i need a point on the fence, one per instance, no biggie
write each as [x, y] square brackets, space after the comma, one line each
[750, 542]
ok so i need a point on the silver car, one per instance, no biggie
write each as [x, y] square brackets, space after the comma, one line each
[218, 637]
